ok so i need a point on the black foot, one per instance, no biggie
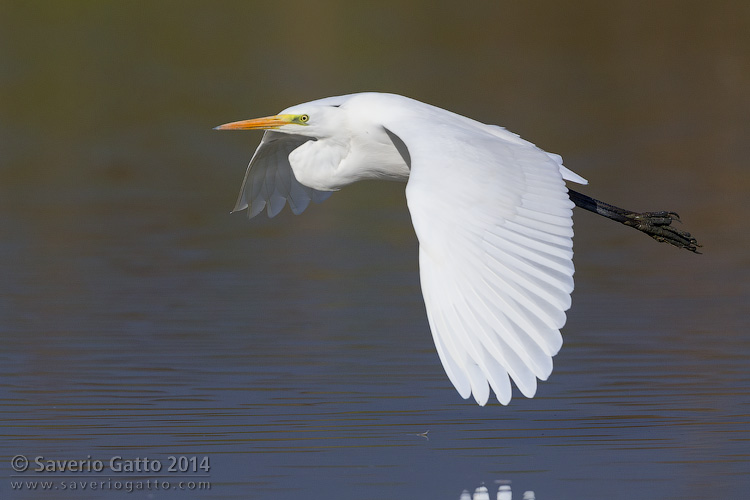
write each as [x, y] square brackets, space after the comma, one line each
[658, 225]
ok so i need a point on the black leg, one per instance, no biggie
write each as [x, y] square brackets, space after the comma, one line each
[655, 224]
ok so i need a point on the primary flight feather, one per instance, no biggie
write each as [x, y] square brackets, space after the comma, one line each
[491, 211]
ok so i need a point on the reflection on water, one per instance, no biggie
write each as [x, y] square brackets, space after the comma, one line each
[503, 493]
[139, 319]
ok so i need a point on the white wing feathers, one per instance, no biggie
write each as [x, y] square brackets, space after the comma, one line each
[270, 182]
[495, 229]
[494, 223]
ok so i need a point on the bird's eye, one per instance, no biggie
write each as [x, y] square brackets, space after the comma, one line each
[304, 118]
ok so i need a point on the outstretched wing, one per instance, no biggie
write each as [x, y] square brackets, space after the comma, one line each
[269, 180]
[494, 223]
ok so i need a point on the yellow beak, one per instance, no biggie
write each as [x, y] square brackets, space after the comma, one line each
[258, 123]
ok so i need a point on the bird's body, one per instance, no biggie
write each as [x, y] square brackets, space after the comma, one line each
[491, 212]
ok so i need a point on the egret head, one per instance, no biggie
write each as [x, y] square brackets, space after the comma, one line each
[305, 119]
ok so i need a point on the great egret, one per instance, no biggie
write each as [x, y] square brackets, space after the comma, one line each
[491, 212]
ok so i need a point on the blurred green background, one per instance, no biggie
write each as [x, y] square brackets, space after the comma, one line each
[107, 107]
[125, 93]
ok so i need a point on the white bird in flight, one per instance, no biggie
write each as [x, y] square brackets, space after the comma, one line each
[491, 211]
